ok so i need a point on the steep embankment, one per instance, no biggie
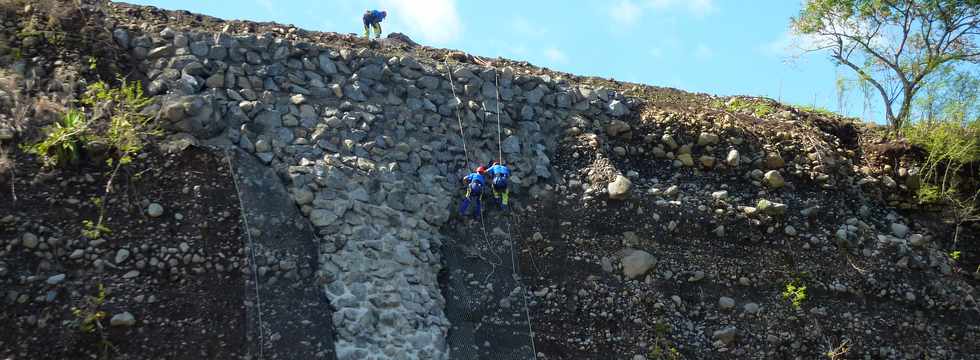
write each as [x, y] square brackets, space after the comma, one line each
[646, 222]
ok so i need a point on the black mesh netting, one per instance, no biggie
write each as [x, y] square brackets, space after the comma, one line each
[288, 315]
[485, 301]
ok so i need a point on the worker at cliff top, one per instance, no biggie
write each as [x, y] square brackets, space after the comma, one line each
[372, 18]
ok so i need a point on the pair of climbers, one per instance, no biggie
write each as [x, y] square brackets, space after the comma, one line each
[372, 19]
[475, 182]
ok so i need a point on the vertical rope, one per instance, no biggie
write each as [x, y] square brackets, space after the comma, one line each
[513, 256]
[486, 237]
[500, 150]
[524, 289]
[251, 252]
[459, 102]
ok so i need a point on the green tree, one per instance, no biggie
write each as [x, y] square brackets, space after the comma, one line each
[952, 95]
[893, 45]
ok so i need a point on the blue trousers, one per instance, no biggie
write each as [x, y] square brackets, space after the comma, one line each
[466, 204]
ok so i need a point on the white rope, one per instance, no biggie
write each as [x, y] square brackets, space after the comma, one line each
[486, 237]
[510, 234]
[251, 252]
[462, 136]
[459, 102]
[500, 150]
[524, 289]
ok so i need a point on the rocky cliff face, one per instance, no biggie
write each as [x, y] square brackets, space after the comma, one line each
[369, 146]
[621, 191]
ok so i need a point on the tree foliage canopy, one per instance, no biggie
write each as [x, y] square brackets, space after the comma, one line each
[894, 45]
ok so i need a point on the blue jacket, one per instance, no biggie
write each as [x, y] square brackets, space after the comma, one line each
[373, 16]
[474, 177]
[498, 170]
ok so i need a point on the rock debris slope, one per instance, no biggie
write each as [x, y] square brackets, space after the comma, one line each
[649, 222]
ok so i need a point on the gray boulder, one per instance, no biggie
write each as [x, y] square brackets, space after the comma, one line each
[619, 189]
[637, 263]
[193, 114]
[124, 319]
[617, 108]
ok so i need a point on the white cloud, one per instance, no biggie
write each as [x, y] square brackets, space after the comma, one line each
[703, 52]
[697, 7]
[625, 12]
[434, 21]
[555, 55]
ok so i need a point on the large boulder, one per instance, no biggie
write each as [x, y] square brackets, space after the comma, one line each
[619, 189]
[618, 127]
[637, 263]
[617, 108]
[774, 161]
[706, 138]
[774, 179]
[193, 114]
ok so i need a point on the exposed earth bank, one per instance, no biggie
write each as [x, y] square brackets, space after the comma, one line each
[301, 204]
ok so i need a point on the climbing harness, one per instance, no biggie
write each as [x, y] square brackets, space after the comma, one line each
[251, 253]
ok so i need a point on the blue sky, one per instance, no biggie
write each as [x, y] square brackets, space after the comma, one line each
[722, 47]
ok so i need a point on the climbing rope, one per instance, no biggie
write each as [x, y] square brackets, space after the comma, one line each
[513, 256]
[462, 135]
[483, 225]
[251, 253]
[459, 102]
[500, 147]
[524, 289]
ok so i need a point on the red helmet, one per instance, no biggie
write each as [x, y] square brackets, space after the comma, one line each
[481, 169]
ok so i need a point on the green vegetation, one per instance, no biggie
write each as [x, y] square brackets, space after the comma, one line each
[121, 131]
[950, 147]
[758, 108]
[795, 292]
[662, 348]
[818, 110]
[894, 46]
[118, 134]
[88, 319]
[955, 255]
[64, 140]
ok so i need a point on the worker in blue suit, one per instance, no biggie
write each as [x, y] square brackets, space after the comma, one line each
[474, 191]
[372, 18]
[499, 175]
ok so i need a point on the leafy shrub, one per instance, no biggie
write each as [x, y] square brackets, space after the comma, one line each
[127, 128]
[795, 292]
[64, 140]
[88, 320]
[89, 315]
[662, 348]
[119, 129]
[949, 146]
